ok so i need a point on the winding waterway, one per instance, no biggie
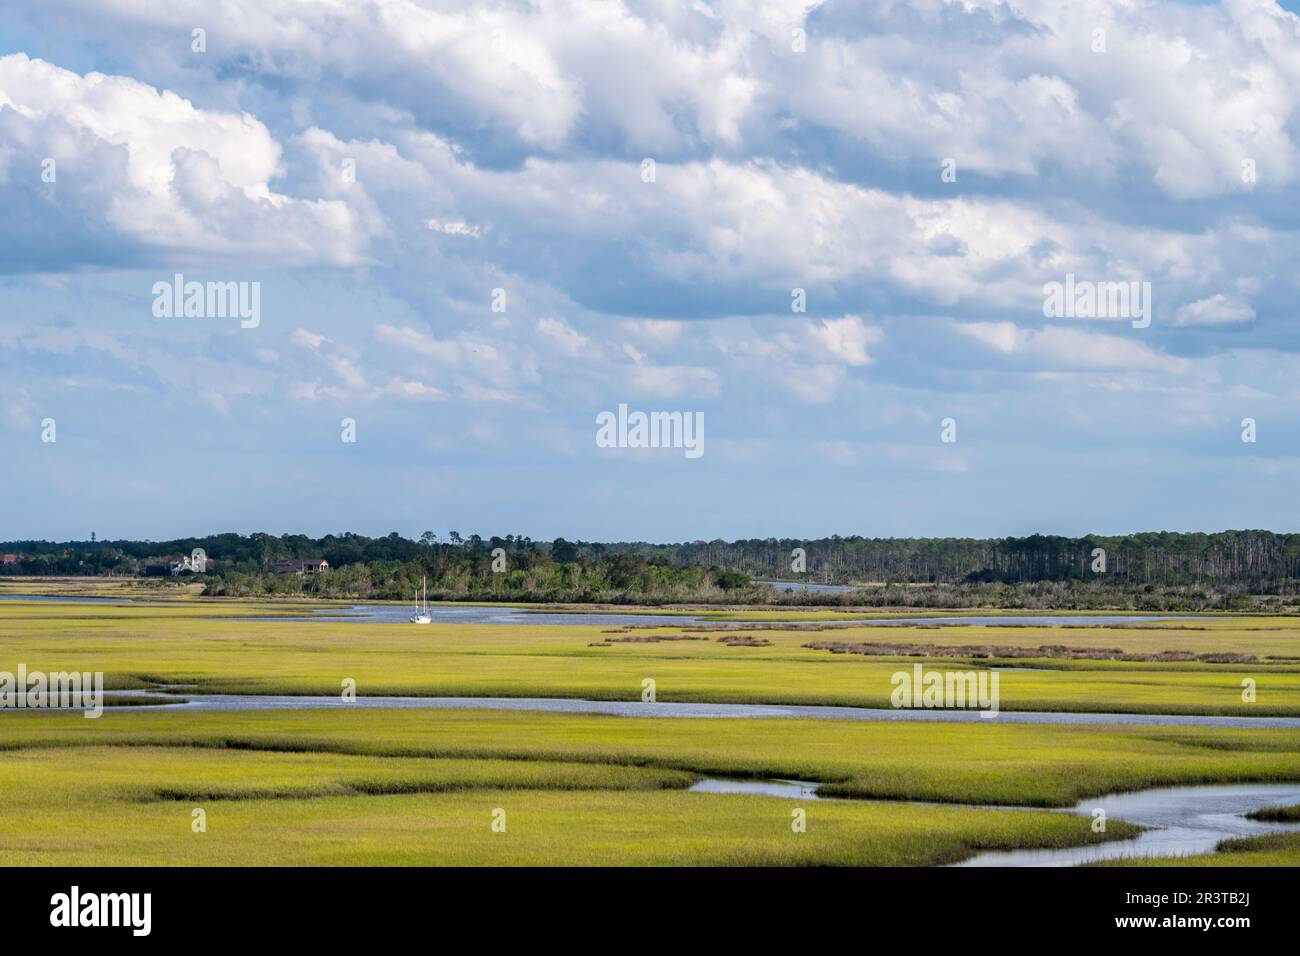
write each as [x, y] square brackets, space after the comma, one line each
[510, 614]
[636, 708]
[1183, 821]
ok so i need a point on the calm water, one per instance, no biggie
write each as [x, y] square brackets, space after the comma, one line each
[811, 588]
[636, 708]
[504, 614]
[1187, 821]
[1184, 820]
[500, 614]
[400, 614]
[486, 614]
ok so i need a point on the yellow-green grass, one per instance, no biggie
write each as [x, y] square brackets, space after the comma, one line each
[51, 776]
[398, 787]
[220, 649]
[410, 786]
[102, 587]
[105, 804]
[17, 612]
[542, 827]
[1289, 814]
[984, 763]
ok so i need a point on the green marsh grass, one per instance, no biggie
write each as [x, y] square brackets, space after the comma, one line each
[418, 786]
[1045, 765]
[220, 649]
[133, 806]
[1289, 814]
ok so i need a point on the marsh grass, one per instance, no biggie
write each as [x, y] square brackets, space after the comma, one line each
[1002, 764]
[1289, 814]
[230, 649]
[417, 786]
[132, 806]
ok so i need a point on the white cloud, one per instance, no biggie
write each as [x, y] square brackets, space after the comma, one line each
[1055, 347]
[1182, 94]
[308, 339]
[565, 339]
[456, 227]
[403, 388]
[144, 170]
[670, 381]
[406, 338]
[847, 339]
[512, 160]
[1217, 309]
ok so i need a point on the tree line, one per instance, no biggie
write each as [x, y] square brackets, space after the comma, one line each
[1254, 561]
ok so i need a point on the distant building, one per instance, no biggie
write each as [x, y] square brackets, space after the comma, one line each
[8, 559]
[314, 566]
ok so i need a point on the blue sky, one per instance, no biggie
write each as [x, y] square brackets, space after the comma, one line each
[504, 146]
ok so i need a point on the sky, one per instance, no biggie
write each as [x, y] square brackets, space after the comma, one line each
[471, 228]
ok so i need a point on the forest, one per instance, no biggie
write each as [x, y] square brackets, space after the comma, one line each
[1152, 570]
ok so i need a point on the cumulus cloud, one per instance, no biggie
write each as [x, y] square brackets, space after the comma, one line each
[1023, 88]
[1055, 347]
[1218, 309]
[391, 163]
[749, 233]
[109, 170]
[847, 339]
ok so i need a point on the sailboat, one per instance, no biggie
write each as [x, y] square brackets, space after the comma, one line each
[422, 615]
